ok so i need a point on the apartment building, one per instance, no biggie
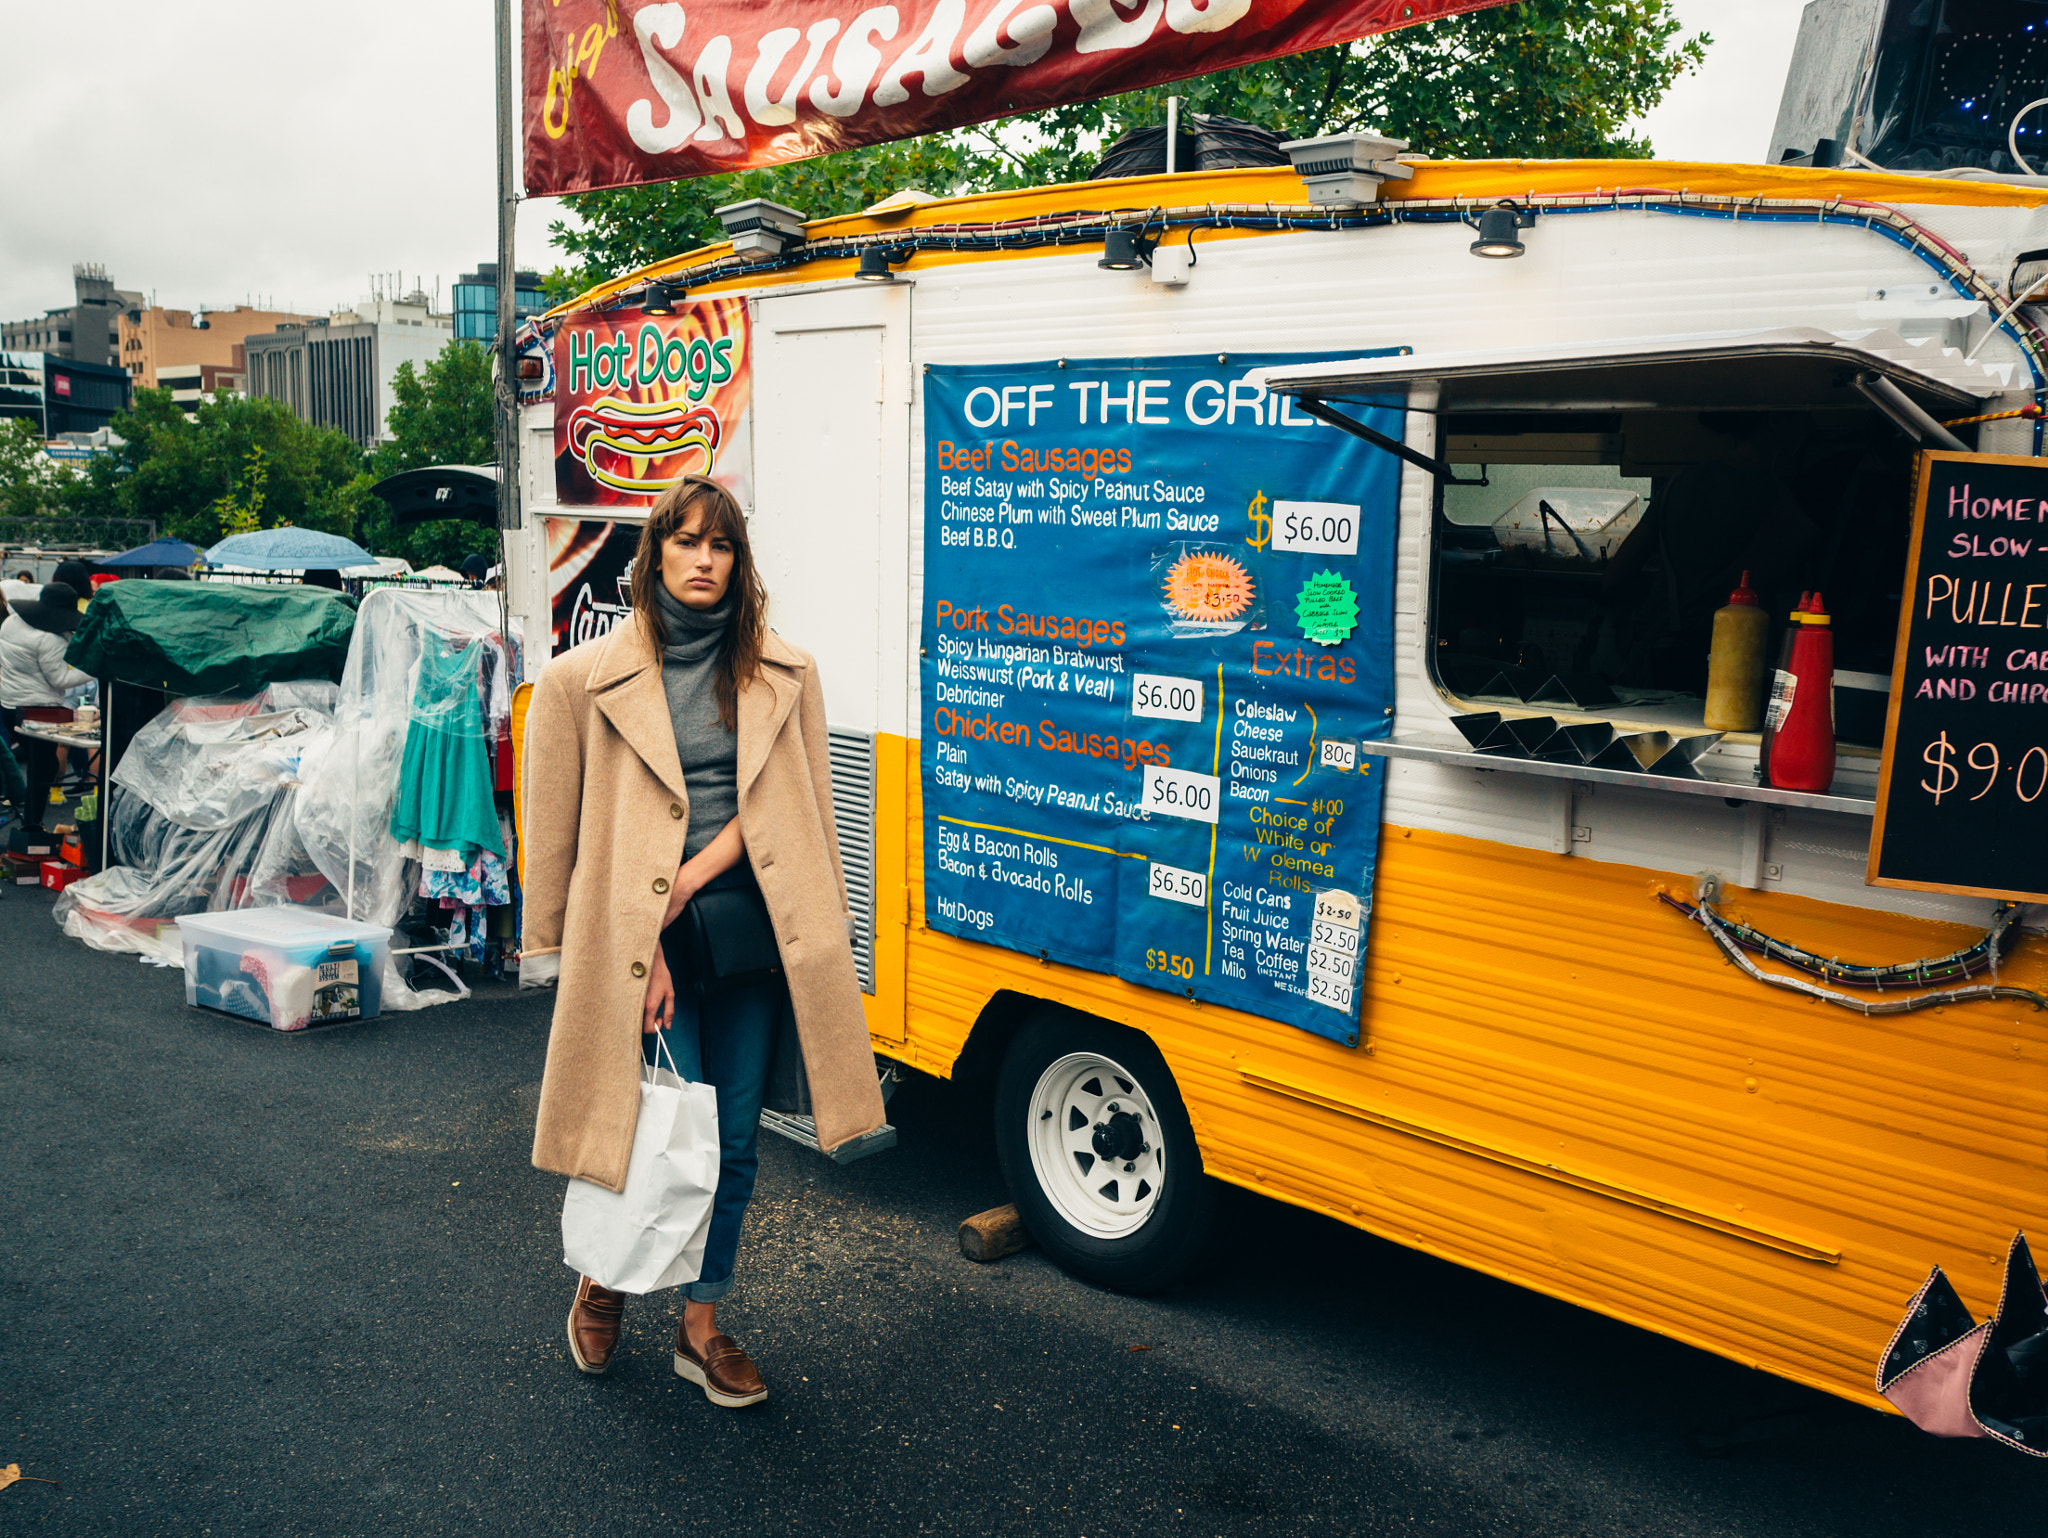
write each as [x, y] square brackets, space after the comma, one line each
[337, 372]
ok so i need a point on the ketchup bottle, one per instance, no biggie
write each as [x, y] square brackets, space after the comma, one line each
[1803, 706]
[1774, 705]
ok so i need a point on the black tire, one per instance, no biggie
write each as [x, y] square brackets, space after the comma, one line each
[1173, 1237]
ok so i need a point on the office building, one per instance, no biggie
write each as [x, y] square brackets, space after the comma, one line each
[476, 301]
[188, 382]
[87, 330]
[154, 339]
[62, 395]
[337, 372]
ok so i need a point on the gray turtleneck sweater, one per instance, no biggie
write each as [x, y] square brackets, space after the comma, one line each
[709, 753]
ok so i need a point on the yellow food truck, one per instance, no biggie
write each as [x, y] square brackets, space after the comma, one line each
[1265, 635]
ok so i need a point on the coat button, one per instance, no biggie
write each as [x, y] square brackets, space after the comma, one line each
[674, 810]
[639, 969]
[661, 883]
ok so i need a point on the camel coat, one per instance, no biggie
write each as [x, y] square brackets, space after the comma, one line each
[605, 812]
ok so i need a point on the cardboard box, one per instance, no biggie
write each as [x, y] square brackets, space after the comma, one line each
[59, 874]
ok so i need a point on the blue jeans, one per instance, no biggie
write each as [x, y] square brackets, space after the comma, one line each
[13, 785]
[728, 1042]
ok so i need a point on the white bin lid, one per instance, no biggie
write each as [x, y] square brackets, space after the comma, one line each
[280, 926]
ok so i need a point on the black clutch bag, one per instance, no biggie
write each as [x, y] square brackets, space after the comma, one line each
[728, 941]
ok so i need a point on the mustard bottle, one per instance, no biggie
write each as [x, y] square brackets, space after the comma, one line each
[1735, 664]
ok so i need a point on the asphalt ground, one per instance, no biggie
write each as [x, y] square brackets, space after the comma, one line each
[254, 1283]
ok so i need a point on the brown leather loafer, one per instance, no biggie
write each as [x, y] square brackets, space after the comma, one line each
[725, 1373]
[594, 1324]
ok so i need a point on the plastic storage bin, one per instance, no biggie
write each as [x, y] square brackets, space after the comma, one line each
[284, 967]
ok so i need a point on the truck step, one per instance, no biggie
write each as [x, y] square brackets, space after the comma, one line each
[804, 1130]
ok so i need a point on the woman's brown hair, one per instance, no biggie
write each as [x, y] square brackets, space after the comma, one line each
[739, 658]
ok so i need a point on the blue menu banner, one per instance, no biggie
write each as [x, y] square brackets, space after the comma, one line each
[1158, 621]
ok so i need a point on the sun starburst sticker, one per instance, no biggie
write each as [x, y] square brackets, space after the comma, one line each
[1327, 609]
[1205, 586]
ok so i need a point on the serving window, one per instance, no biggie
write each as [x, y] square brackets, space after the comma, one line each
[1578, 556]
[1596, 502]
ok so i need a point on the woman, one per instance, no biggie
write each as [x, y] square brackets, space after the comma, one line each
[13, 787]
[685, 750]
[34, 678]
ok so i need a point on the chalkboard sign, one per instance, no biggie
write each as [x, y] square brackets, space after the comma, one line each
[1962, 802]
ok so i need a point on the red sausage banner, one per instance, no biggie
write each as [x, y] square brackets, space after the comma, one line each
[620, 92]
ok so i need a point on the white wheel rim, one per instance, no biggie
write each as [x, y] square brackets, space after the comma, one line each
[1096, 1145]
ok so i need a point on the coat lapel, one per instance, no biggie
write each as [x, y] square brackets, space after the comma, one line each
[627, 684]
[765, 706]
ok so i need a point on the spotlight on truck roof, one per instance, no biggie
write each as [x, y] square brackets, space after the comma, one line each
[1497, 231]
[1125, 249]
[662, 298]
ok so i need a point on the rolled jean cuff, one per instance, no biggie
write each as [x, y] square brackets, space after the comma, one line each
[706, 1292]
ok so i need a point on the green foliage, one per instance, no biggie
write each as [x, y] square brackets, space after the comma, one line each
[1543, 79]
[235, 460]
[29, 483]
[628, 227]
[241, 509]
[1537, 79]
[441, 416]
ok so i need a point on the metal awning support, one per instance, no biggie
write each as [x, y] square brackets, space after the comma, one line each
[1323, 411]
[1906, 415]
[1789, 369]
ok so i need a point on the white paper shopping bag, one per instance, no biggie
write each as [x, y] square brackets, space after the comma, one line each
[651, 1235]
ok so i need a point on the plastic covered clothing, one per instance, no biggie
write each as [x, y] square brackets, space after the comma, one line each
[199, 819]
[285, 797]
[444, 777]
[345, 812]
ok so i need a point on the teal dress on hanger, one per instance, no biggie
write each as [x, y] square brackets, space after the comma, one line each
[444, 780]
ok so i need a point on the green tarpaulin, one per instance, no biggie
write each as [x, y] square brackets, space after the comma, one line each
[211, 637]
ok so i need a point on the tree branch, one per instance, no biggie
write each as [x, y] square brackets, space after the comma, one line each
[1341, 55]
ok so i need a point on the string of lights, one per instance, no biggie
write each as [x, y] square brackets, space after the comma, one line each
[1965, 963]
[1736, 941]
[1146, 227]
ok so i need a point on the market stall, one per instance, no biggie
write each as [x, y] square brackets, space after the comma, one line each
[370, 799]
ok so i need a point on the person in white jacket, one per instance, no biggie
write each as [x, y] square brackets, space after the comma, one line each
[35, 677]
[13, 787]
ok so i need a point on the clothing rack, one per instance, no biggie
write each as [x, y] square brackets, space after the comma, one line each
[486, 612]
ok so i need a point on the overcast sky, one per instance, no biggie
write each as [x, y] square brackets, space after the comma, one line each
[216, 151]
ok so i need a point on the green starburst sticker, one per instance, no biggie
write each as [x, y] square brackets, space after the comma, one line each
[1327, 609]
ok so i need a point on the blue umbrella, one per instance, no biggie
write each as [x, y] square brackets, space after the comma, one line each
[289, 549]
[162, 552]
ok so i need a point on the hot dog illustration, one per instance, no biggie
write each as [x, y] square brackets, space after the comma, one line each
[643, 446]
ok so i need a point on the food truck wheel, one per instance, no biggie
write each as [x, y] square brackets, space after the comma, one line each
[1099, 1155]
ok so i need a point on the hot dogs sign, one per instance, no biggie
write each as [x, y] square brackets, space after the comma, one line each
[643, 400]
